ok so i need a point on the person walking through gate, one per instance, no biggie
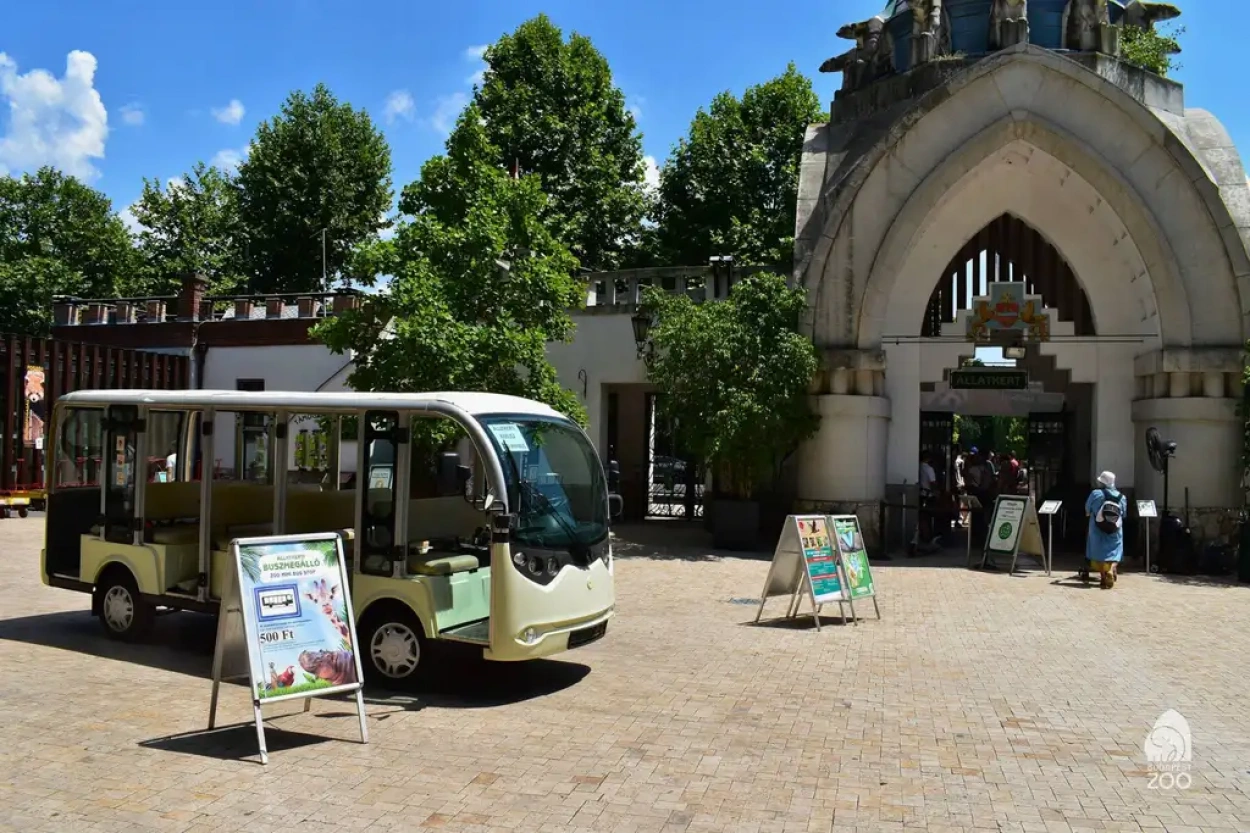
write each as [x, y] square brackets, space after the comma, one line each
[1104, 547]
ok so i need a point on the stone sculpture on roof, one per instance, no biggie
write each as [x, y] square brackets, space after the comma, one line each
[868, 59]
[1009, 23]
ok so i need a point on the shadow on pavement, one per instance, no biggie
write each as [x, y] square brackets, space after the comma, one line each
[802, 622]
[232, 743]
[457, 676]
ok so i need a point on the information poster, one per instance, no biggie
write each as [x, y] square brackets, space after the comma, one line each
[854, 556]
[296, 617]
[820, 558]
[1004, 534]
[286, 625]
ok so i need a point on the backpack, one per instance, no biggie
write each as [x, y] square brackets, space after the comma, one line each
[1108, 518]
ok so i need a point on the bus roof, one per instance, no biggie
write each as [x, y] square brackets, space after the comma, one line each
[475, 404]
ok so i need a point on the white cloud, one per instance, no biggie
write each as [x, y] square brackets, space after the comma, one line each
[127, 216]
[389, 232]
[476, 53]
[399, 105]
[61, 123]
[232, 113]
[132, 114]
[174, 183]
[476, 79]
[447, 110]
[229, 159]
[651, 174]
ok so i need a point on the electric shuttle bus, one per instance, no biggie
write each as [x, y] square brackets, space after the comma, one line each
[475, 518]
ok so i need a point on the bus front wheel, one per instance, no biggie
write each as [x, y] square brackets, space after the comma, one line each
[394, 643]
[123, 612]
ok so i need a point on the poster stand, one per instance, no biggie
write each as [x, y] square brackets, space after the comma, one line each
[1050, 508]
[857, 578]
[1030, 538]
[1006, 523]
[806, 564]
[281, 604]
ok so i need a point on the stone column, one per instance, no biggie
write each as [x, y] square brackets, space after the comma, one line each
[845, 461]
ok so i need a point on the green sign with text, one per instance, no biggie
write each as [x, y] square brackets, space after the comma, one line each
[989, 378]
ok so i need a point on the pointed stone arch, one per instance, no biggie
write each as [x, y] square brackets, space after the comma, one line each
[1008, 250]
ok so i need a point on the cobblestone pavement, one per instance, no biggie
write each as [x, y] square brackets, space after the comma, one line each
[979, 701]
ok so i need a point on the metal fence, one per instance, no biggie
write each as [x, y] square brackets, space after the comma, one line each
[34, 372]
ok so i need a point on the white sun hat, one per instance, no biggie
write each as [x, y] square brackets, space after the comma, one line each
[1107, 479]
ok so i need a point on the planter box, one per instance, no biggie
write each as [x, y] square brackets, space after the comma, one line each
[735, 524]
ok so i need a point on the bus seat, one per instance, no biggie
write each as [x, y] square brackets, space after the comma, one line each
[175, 535]
[167, 501]
[223, 535]
[442, 517]
[441, 565]
[320, 511]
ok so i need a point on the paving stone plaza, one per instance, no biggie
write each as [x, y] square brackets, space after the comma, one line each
[979, 702]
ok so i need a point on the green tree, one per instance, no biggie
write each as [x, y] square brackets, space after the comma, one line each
[551, 108]
[56, 217]
[1150, 49]
[731, 186]
[735, 377]
[57, 237]
[27, 287]
[317, 165]
[479, 285]
[192, 225]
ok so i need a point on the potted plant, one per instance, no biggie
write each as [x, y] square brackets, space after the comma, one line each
[733, 378]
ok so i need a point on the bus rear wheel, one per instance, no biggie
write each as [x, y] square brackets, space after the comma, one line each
[123, 612]
[394, 644]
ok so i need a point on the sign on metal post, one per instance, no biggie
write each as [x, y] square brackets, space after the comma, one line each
[805, 562]
[286, 625]
[1146, 510]
[1050, 508]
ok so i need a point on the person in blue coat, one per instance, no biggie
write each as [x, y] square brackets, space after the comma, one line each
[1104, 550]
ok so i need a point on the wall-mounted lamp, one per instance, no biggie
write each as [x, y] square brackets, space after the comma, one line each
[641, 322]
[1015, 352]
[585, 380]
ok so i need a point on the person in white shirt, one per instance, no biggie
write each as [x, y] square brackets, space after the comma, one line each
[924, 540]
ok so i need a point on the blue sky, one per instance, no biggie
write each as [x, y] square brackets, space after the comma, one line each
[187, 81]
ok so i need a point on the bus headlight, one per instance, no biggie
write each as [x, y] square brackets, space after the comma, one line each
[535, 565]
[553, 566]
[530, 636]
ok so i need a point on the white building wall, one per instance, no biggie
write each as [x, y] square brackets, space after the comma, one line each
[286, 367]
[603, 348]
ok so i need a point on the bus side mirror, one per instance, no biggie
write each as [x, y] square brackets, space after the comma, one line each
[614, 477]
[616, 506]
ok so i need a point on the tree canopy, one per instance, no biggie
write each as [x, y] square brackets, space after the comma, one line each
[550, 108]
[479, 284]
[57, 237]
[192, 225]
[734, 378]
[318, 165]
[730, 187]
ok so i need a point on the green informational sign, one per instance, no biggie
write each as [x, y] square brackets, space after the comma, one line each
[822, 564]
[850, 540]
[1006, 523]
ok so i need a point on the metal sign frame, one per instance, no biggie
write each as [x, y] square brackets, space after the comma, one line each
[238, 636]
[1050, 508]
[790, 573]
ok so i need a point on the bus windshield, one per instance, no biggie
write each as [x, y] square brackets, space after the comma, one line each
[555, 482]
